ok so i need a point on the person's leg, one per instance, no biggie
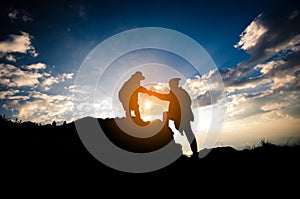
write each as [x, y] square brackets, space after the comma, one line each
[127, 113]
[191, 138]
[137, 113]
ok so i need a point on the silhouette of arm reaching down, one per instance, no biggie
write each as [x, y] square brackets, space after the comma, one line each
[141, 89]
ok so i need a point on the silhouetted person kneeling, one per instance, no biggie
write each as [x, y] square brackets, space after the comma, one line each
[179, 110]
[129, 94]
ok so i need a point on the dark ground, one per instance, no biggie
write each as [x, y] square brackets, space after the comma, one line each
[36, 155]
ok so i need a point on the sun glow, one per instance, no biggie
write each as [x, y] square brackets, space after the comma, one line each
[148, 104]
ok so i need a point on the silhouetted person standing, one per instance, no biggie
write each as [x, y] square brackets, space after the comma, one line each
[179, 110]
[129, 94]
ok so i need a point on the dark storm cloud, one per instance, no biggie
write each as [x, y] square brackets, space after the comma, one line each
[273, 42]
[269, 34]
[269, 81]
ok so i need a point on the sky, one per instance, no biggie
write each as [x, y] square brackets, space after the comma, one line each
[254, 45]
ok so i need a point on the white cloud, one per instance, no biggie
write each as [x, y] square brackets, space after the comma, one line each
[10, 58]
[276, 105]
[235, 107]
[46, 74]
[18, 97]
[243, 105]
[213, 80]
[44, 108]
[22, 83]
[195, 87]
[5, 94]
[5, 81]
[66, 76]
[15, 77]
[284, 81]
[18, 44]
[198, 91]
[48, 82]
[36, 66]
[251, 35]
[265, 68]
[12, 76]
[22, 78]
[161, 87]
[267, 35]
[274, 115]
[269, 81]
[282, 73]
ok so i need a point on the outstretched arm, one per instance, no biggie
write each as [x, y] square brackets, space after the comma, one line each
[143, 90]
[160, 96]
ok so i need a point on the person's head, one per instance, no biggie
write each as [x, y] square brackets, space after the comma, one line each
[174, 83]
[138, 76]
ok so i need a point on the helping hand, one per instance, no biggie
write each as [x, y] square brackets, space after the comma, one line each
[150, 93]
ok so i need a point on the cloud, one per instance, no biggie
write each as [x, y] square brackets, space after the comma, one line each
[269, 34]
[245, 104]
[277, 88]
[10, 58]
[5, 94]
[283, 73]
[242, 105]
[4, 81]
[65, 76]
[161, 87]
[18, 44]
[18, 97]
[195, 87]
[269, 81]
[50, 80]
[28, 79]
[205, 90]
[44, 108]
[198, 91]
[274, 115]
[248, 85]
[19, 14]
[36, 66]
[278, 74]
[30, 76]
[13, 76]
[24, 98]
[25, 84]
[83, 90]
[251, 35]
